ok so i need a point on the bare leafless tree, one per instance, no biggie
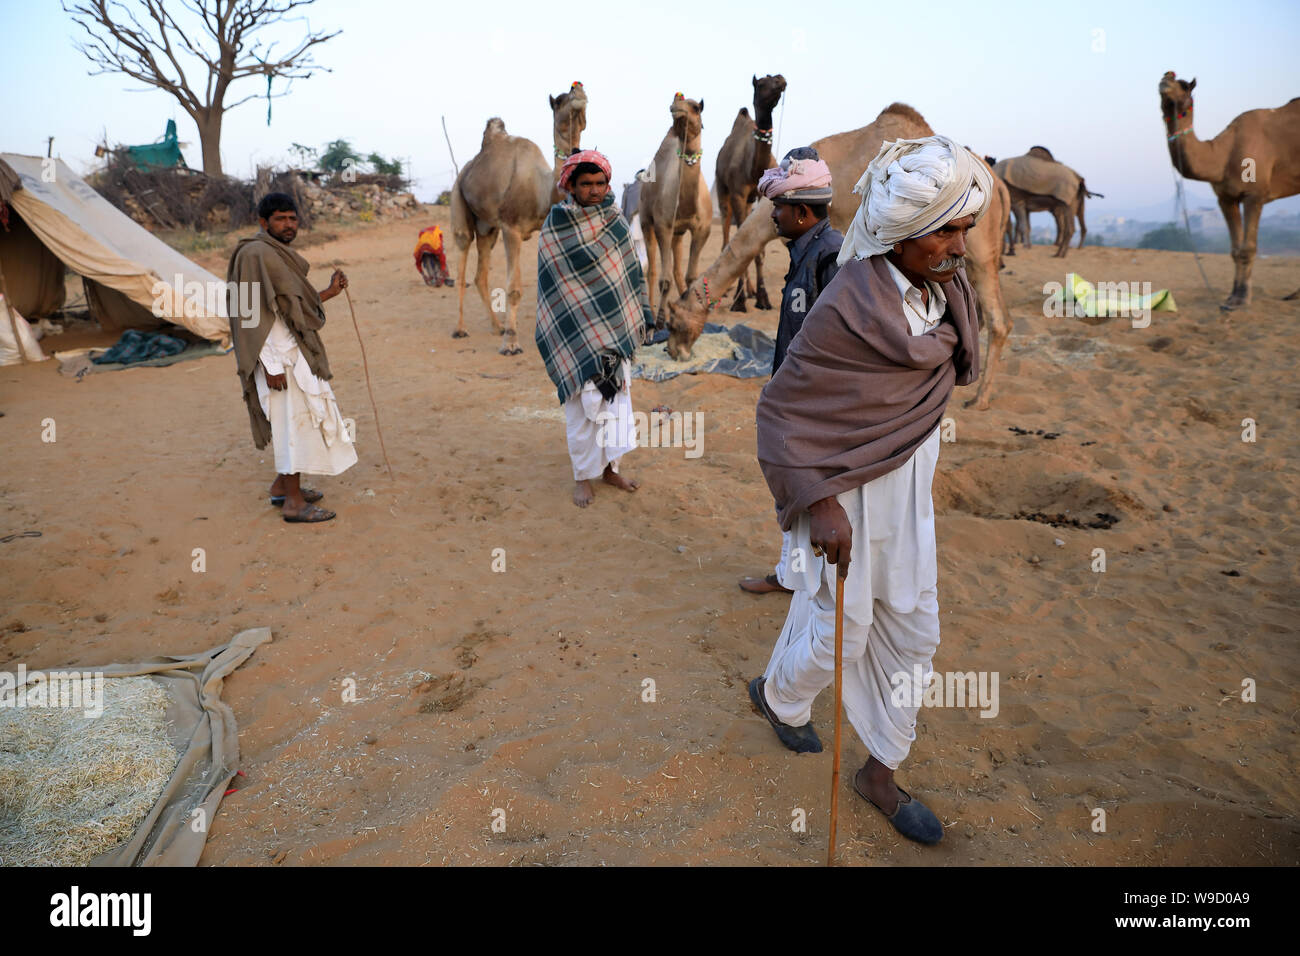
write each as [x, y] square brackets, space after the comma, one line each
[143, 39]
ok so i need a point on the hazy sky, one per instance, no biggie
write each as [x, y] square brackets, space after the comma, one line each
[1000, 77]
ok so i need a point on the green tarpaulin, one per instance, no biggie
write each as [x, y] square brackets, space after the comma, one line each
[164, 154]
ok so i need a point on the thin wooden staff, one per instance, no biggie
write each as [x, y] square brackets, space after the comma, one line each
[449, 149]
[366, 365]
[842, 571]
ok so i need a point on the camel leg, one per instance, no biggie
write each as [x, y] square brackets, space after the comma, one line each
[699, 235]
[481, 272]
[1083, 226]
[460, 332]
[678, 241]
[649, 237]
[994, 312]
[510, 334]
[761, 301]
[1232, 216]
[1245, 258]
[1064, 227]
[663, 234]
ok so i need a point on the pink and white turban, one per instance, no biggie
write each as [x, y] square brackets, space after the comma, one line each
[805, 181]
[583, 156]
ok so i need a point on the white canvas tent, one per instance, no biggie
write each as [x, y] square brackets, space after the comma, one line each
[133, 279]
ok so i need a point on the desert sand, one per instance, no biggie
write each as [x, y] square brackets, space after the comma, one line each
[522, 690]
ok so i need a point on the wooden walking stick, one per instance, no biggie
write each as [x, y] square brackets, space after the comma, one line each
[841, 571]
[366, 365]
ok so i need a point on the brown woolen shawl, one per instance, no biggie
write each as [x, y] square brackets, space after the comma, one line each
[857, 393]
[281, 276]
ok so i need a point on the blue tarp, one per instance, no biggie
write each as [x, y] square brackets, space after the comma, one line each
[752, 358]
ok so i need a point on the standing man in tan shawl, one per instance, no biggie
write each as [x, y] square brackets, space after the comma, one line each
[282, 364]
[848, 439]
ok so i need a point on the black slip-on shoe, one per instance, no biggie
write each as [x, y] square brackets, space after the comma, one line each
[802, 740]
[912, 818]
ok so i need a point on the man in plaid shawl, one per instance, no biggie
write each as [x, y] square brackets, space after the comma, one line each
[592, 314]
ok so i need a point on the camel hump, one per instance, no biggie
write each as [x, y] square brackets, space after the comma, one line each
[1042, 152]
[744, 111]
[905, 111]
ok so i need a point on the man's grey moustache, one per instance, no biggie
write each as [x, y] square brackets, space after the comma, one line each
[948, 264]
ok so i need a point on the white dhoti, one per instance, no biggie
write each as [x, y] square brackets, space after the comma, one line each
[308, 434]
[891, 610]
[891, 597]
[599, 432]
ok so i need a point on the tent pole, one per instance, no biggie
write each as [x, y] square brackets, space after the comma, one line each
[18, 342]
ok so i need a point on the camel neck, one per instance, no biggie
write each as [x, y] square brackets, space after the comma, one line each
[565, 144]
[1192, 157]
[746, 242]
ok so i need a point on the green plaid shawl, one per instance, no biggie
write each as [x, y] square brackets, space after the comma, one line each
[590, 292]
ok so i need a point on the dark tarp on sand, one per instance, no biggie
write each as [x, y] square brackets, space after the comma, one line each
[752, 359]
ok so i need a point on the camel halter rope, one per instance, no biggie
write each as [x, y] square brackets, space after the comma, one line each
[366, 365]
[1180, 200]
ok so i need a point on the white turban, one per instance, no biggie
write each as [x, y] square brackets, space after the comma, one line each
[912, 188]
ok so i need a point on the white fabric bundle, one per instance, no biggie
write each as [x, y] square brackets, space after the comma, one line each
[12, 351]
[912, 188]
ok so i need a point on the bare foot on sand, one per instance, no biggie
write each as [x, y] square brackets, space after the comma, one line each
[611, 477]
[583, 493]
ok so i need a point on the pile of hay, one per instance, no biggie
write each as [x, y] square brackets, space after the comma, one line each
[709, 346]
[73, 786]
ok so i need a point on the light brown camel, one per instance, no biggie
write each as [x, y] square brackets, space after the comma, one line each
[848, 154]
[1022, 231]
[675, 200]
[1255, 160]
[1037, 182]
[744, 156]
[504, 189]
[569, 119]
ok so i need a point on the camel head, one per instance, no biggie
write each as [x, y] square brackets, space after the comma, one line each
[1175, 96]
[570, 111]
[686, 117]
[686, 319]
[767, 91]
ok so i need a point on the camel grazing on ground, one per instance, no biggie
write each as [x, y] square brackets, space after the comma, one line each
[1038, 182]
[506, 188]
[675, 200]
[1255, 160]
[848, 154]
[569, 114]
[744, 156]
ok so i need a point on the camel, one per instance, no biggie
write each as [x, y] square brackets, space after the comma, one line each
[569, 120]
[675, 200]
[506, 188]
[1037, 182]
[744, 156]
[1255, 160]
[848, 154]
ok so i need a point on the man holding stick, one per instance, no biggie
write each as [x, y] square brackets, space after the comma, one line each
[281, 359]
[848, 439]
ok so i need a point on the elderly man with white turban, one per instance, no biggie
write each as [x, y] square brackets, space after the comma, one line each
[848, 439]
[800, 190]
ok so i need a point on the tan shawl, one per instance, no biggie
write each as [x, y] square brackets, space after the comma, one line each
[277, 281]
[857, 393]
